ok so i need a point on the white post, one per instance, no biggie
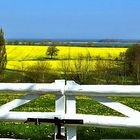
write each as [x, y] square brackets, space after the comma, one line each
[71, 110]
[60, 105]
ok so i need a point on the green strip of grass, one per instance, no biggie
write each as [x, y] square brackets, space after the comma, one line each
[84, 105]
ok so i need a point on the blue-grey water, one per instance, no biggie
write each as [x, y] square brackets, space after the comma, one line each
[95, 42]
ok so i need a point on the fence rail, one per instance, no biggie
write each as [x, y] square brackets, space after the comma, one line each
[65, 117]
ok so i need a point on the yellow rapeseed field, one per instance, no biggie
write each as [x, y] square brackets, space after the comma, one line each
[15, 53]
[102, 52]
[22, 56]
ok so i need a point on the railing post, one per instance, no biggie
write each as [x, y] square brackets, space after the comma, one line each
[71, 110]
[60, 105]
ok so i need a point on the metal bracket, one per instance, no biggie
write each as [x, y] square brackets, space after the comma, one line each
[58, 122]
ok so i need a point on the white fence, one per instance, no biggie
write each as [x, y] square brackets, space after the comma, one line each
[65, 117]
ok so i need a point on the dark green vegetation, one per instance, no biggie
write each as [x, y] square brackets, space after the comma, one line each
[132, 62]
[52, 51]
[84, 105]
[3, 56]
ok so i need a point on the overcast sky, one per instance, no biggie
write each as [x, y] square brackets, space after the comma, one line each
[70, 19]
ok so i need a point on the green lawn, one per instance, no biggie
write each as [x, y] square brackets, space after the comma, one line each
[84, 105]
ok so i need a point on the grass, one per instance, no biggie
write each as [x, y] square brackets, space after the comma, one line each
[85, 105]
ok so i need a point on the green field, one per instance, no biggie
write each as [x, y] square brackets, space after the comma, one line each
[19, 56]
[85, 105]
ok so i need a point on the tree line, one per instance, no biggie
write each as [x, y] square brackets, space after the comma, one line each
[49, 43]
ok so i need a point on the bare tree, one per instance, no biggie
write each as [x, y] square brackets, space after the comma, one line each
[39, 72]
[79, 70]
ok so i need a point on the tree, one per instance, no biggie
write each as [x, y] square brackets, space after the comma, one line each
[3, 55]
[105, 71]
[79, 70]
[39, 72]
[52, 51]
[132, 60]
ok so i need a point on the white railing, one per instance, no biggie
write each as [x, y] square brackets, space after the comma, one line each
[65, 115]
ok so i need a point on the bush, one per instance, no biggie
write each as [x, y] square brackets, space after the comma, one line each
[39, 72]
[132, 60]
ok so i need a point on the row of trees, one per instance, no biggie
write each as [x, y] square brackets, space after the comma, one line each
[50, 43]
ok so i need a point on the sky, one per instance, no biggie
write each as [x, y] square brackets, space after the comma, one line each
[70, 19]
